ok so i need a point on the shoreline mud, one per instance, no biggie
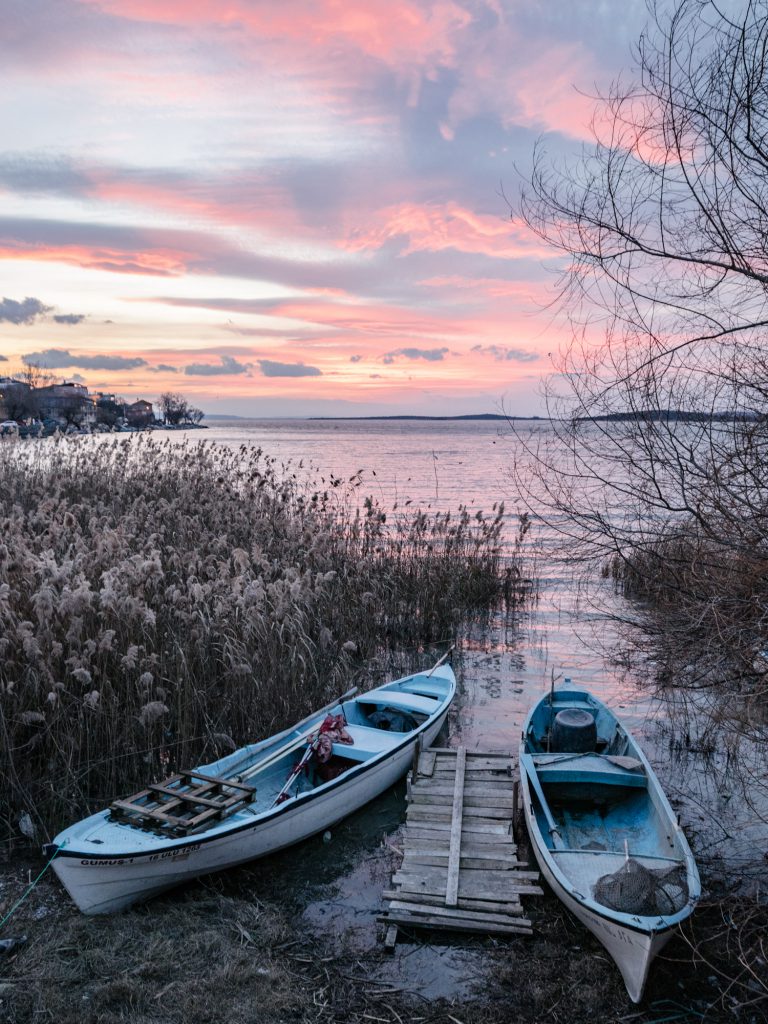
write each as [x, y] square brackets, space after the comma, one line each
[293, 938]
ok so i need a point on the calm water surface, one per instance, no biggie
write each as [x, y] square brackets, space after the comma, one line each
[505, 669]
[502, 671]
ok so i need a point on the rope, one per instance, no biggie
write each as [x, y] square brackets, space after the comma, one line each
[21, 899]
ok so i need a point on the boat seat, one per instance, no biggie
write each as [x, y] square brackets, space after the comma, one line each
[368, 741]
[593, 768]
[412, 702]
[423, 686]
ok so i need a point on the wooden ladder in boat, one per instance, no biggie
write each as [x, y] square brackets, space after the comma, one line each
[460, 869]
[183, 803]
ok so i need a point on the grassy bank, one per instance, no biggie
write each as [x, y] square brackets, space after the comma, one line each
[161, 605]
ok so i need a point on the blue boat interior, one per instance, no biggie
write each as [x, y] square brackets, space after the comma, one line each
[593, 801]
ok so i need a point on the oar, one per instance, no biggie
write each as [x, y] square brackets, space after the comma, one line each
[294, 743]
[535, 782]
[445, 657]
[296, 771]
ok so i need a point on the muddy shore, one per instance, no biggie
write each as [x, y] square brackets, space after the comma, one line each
[293, 938]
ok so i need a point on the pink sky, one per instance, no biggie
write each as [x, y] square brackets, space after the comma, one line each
[289, 208]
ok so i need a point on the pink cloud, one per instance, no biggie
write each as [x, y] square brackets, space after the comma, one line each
[400, 34]
[433, 228]
[369, 320]
[332, 52]
[159, 262]
[247, 201]
[493, 287]
[545, 93]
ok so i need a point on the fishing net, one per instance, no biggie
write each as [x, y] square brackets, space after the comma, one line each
[636, 889]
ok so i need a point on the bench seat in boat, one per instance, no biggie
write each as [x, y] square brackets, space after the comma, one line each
[592, 768]
[412, 702]
[423, 686]
[368, 742]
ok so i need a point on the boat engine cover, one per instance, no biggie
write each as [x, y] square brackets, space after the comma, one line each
[574, 732]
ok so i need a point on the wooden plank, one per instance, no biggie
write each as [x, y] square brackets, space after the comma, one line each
[417, 748]
[414, 861]
[478, 825]
[473, 754]
[218, 780]
[499, 762]
[489, 876]
[510, 906]
[471, 775]
[444, 794]
[424, 796]
[481, 806]
[194, 799]
[456, 925]
[157, 816]
[391, 938]
[458, 914]
[469, 848]
[452, 884]
[468, 887]
[435, 787]
[443, 852]
[427, 763]
[436, 833]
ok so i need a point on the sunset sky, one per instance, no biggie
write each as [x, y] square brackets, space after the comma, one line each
[291, 208]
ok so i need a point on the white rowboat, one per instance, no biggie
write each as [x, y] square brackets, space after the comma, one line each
[117, 857]
[604, 834]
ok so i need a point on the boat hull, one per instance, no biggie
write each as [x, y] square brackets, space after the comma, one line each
[104, 884]
[590, 810]
[632, 950]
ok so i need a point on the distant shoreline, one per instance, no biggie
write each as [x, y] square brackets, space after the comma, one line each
[647, 416]
[401, 416]
[410, 416]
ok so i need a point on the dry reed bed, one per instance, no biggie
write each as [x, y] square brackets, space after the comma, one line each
[704, 616]
[161, 605]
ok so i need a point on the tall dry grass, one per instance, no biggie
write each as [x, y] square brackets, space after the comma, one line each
[161, 605]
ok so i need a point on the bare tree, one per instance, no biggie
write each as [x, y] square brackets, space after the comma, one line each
[22, 401]
[660, 401]
[659, 406]
[174, 407]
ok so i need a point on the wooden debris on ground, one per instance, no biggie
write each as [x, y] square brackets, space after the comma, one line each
[460, 869]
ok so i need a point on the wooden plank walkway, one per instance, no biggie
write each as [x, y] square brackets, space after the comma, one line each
[460, 869]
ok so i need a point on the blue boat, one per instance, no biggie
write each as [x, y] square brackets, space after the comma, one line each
[604, 834]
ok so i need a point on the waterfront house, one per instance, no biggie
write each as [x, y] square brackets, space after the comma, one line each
[68, 404]
[16, 400]
[139, 414]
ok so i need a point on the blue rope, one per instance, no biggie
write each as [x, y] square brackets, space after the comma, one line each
[21, 899]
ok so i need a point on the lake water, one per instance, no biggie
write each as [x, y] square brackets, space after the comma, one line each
[502, 671]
